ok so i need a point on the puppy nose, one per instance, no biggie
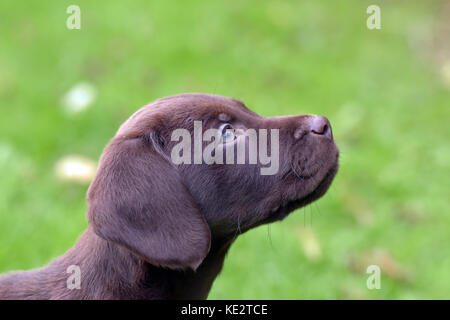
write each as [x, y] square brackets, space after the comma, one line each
[320, 126]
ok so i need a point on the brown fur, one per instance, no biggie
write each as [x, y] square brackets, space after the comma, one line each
[161, 231]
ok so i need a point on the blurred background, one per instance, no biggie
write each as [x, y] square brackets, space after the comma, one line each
[64, 93]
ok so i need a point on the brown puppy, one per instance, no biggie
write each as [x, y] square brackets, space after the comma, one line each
[160, 229]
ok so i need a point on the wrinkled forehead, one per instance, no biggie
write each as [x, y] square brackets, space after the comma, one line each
[176, 110]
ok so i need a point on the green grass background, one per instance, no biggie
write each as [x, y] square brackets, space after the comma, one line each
[382, 90]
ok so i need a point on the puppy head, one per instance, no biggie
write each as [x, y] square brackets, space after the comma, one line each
[167, 211]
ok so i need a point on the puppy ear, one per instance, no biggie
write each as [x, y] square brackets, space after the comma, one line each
[138, 200]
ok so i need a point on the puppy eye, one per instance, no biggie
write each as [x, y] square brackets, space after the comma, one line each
[227, 133]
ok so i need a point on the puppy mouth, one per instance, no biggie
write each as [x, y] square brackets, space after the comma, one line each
[283, 210]
[322, 187]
